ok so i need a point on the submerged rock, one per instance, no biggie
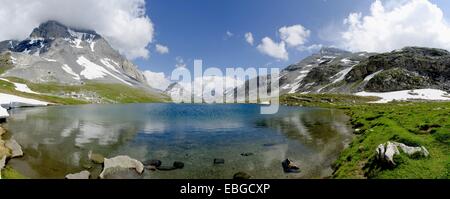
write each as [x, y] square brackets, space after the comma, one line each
[178, 164]
[387, 151]
[118, 163]
[247, 154]
[16, 149]
[219, 161]
[81, 175]
[155, 163]
[241, 175]
[96, 158]
[290, 167]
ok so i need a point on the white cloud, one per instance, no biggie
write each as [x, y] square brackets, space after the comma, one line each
[124, 24]
[229, 34]
[249, 38]
[396, 25]
[161, 49]
[156, 80]
[310, 48]
[179, 62]
[273, 49]
[295, 35]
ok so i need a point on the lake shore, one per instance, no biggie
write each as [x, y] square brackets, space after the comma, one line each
[424, 124]
[413, 123]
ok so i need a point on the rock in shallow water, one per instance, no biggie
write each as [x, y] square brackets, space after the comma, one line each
[80, 176]
[219, 161]
[178, 164]
[241, 175]
[96, 158]
[16, 149]
[290, 167]
[155, 163]
[118, 163]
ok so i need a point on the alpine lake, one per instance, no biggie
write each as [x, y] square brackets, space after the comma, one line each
[213, 141]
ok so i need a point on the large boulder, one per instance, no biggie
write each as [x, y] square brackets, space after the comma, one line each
[120, 163]
[79, 176]
[16, 149]
[387, 151]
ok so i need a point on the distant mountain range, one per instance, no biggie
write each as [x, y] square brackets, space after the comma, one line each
[332, 70]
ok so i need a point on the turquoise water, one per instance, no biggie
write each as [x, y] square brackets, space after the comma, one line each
[56, 140]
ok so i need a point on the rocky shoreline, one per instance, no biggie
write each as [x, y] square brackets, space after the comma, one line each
[9, 149]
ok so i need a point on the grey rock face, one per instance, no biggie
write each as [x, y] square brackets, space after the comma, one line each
[337, 71]
[84, 175]
[120, 163]
[387, 151]
[16, 149]
[56, 53]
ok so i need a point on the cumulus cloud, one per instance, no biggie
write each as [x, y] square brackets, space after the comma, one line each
[273, 49]
[180, 62]
[249, 38]
[124, 24]
[394, 25]
[295, 35]
[156, 80]
[161, 49]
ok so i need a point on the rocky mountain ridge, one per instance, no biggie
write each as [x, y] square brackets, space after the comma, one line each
[59, 54]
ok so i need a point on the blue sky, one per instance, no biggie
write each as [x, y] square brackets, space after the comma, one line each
[197, 29]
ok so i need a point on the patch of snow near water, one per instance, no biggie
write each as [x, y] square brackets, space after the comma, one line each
[7, 100]
[94, 71]
[419, 94]
[20, 87]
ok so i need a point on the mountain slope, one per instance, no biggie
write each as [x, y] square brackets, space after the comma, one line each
[337, 71]
[55, 54]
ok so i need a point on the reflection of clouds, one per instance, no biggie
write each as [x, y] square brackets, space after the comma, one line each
[297, 121]
[76, 157]
[153, 127]
[67, 131]
[90, 131]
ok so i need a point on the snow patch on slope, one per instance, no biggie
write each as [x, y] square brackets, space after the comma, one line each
[69, 70]
[371, 76]
[404, 95]
[94, 71]
[20, 87]
[107, 62]
[341, 75]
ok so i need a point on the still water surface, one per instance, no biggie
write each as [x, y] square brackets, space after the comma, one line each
[56, 140]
